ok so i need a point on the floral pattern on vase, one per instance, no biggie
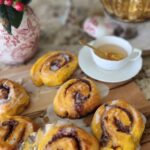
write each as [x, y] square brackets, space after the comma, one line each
[22, 44]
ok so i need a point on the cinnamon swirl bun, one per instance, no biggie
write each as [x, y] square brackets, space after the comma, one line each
[118, 126]
[13, 131]
[54, 68]
[13, 98]
[76, 98]
[62, 137]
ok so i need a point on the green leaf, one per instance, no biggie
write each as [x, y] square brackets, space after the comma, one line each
[26, 1]
[4, 19]
[10, 17]
[8, 28]
[14, 16]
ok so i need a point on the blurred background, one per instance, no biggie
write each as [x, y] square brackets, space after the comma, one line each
[63, 19]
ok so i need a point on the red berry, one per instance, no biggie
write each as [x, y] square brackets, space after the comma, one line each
[19, 6]
[8, 2]
[1, 2]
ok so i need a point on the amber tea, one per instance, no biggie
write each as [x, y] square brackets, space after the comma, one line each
[111, 52]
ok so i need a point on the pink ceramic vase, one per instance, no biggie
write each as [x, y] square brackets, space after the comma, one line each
[22, 44]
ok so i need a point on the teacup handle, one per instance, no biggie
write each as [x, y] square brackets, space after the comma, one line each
[135, 54]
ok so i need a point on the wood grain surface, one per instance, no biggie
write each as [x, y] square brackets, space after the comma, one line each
[42, 97]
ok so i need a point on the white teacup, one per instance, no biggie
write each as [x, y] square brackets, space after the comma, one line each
[132, 53]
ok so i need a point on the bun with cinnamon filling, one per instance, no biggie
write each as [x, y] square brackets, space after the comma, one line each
[14, 130]
[13, 98]
[118, 126]
[54, 68]
[77, 98]
[61, 137]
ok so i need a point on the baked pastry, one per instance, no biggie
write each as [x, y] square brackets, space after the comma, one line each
[117, 125]
[76, 98]
[54, 68]
[13, 98]
[13, 131]
[61, 137]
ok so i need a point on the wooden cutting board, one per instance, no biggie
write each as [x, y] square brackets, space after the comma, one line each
[42, 97]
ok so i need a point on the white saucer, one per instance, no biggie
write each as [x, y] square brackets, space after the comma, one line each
[88, 66]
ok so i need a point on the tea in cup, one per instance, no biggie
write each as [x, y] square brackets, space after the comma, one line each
[113, 53]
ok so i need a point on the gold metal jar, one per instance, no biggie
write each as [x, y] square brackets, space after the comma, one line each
[128, 10]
